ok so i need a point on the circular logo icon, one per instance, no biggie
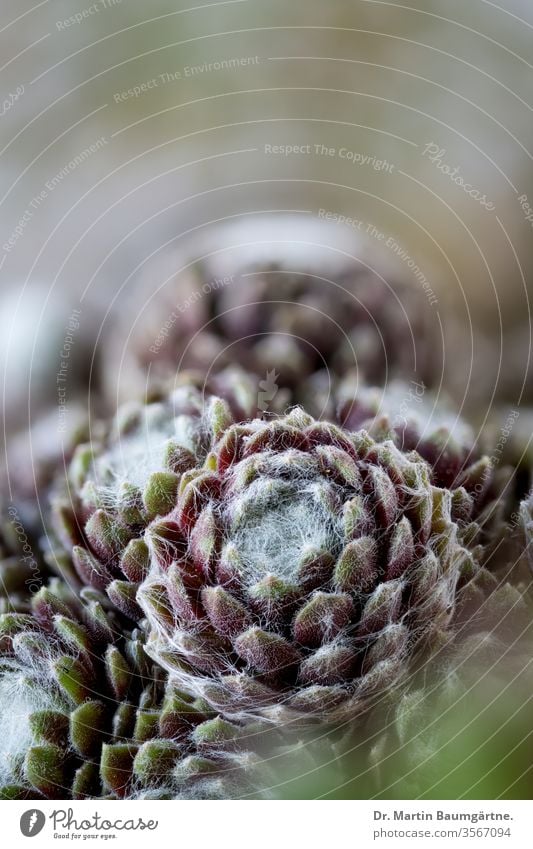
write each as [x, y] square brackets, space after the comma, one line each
[32, 823]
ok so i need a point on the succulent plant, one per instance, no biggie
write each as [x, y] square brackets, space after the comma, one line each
[117, 484]
[254, 544]
[300, 567]
[283, 570]
[233, 577]
[273, 305]
[88, 714]
[417, 419]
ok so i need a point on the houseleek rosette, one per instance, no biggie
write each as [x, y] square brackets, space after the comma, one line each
[302, 566]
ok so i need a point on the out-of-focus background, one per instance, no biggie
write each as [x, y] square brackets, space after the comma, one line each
[125, 126]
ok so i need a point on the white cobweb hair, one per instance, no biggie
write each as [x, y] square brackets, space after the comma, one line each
[274, 529]
[131, 457]
[22, 693]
